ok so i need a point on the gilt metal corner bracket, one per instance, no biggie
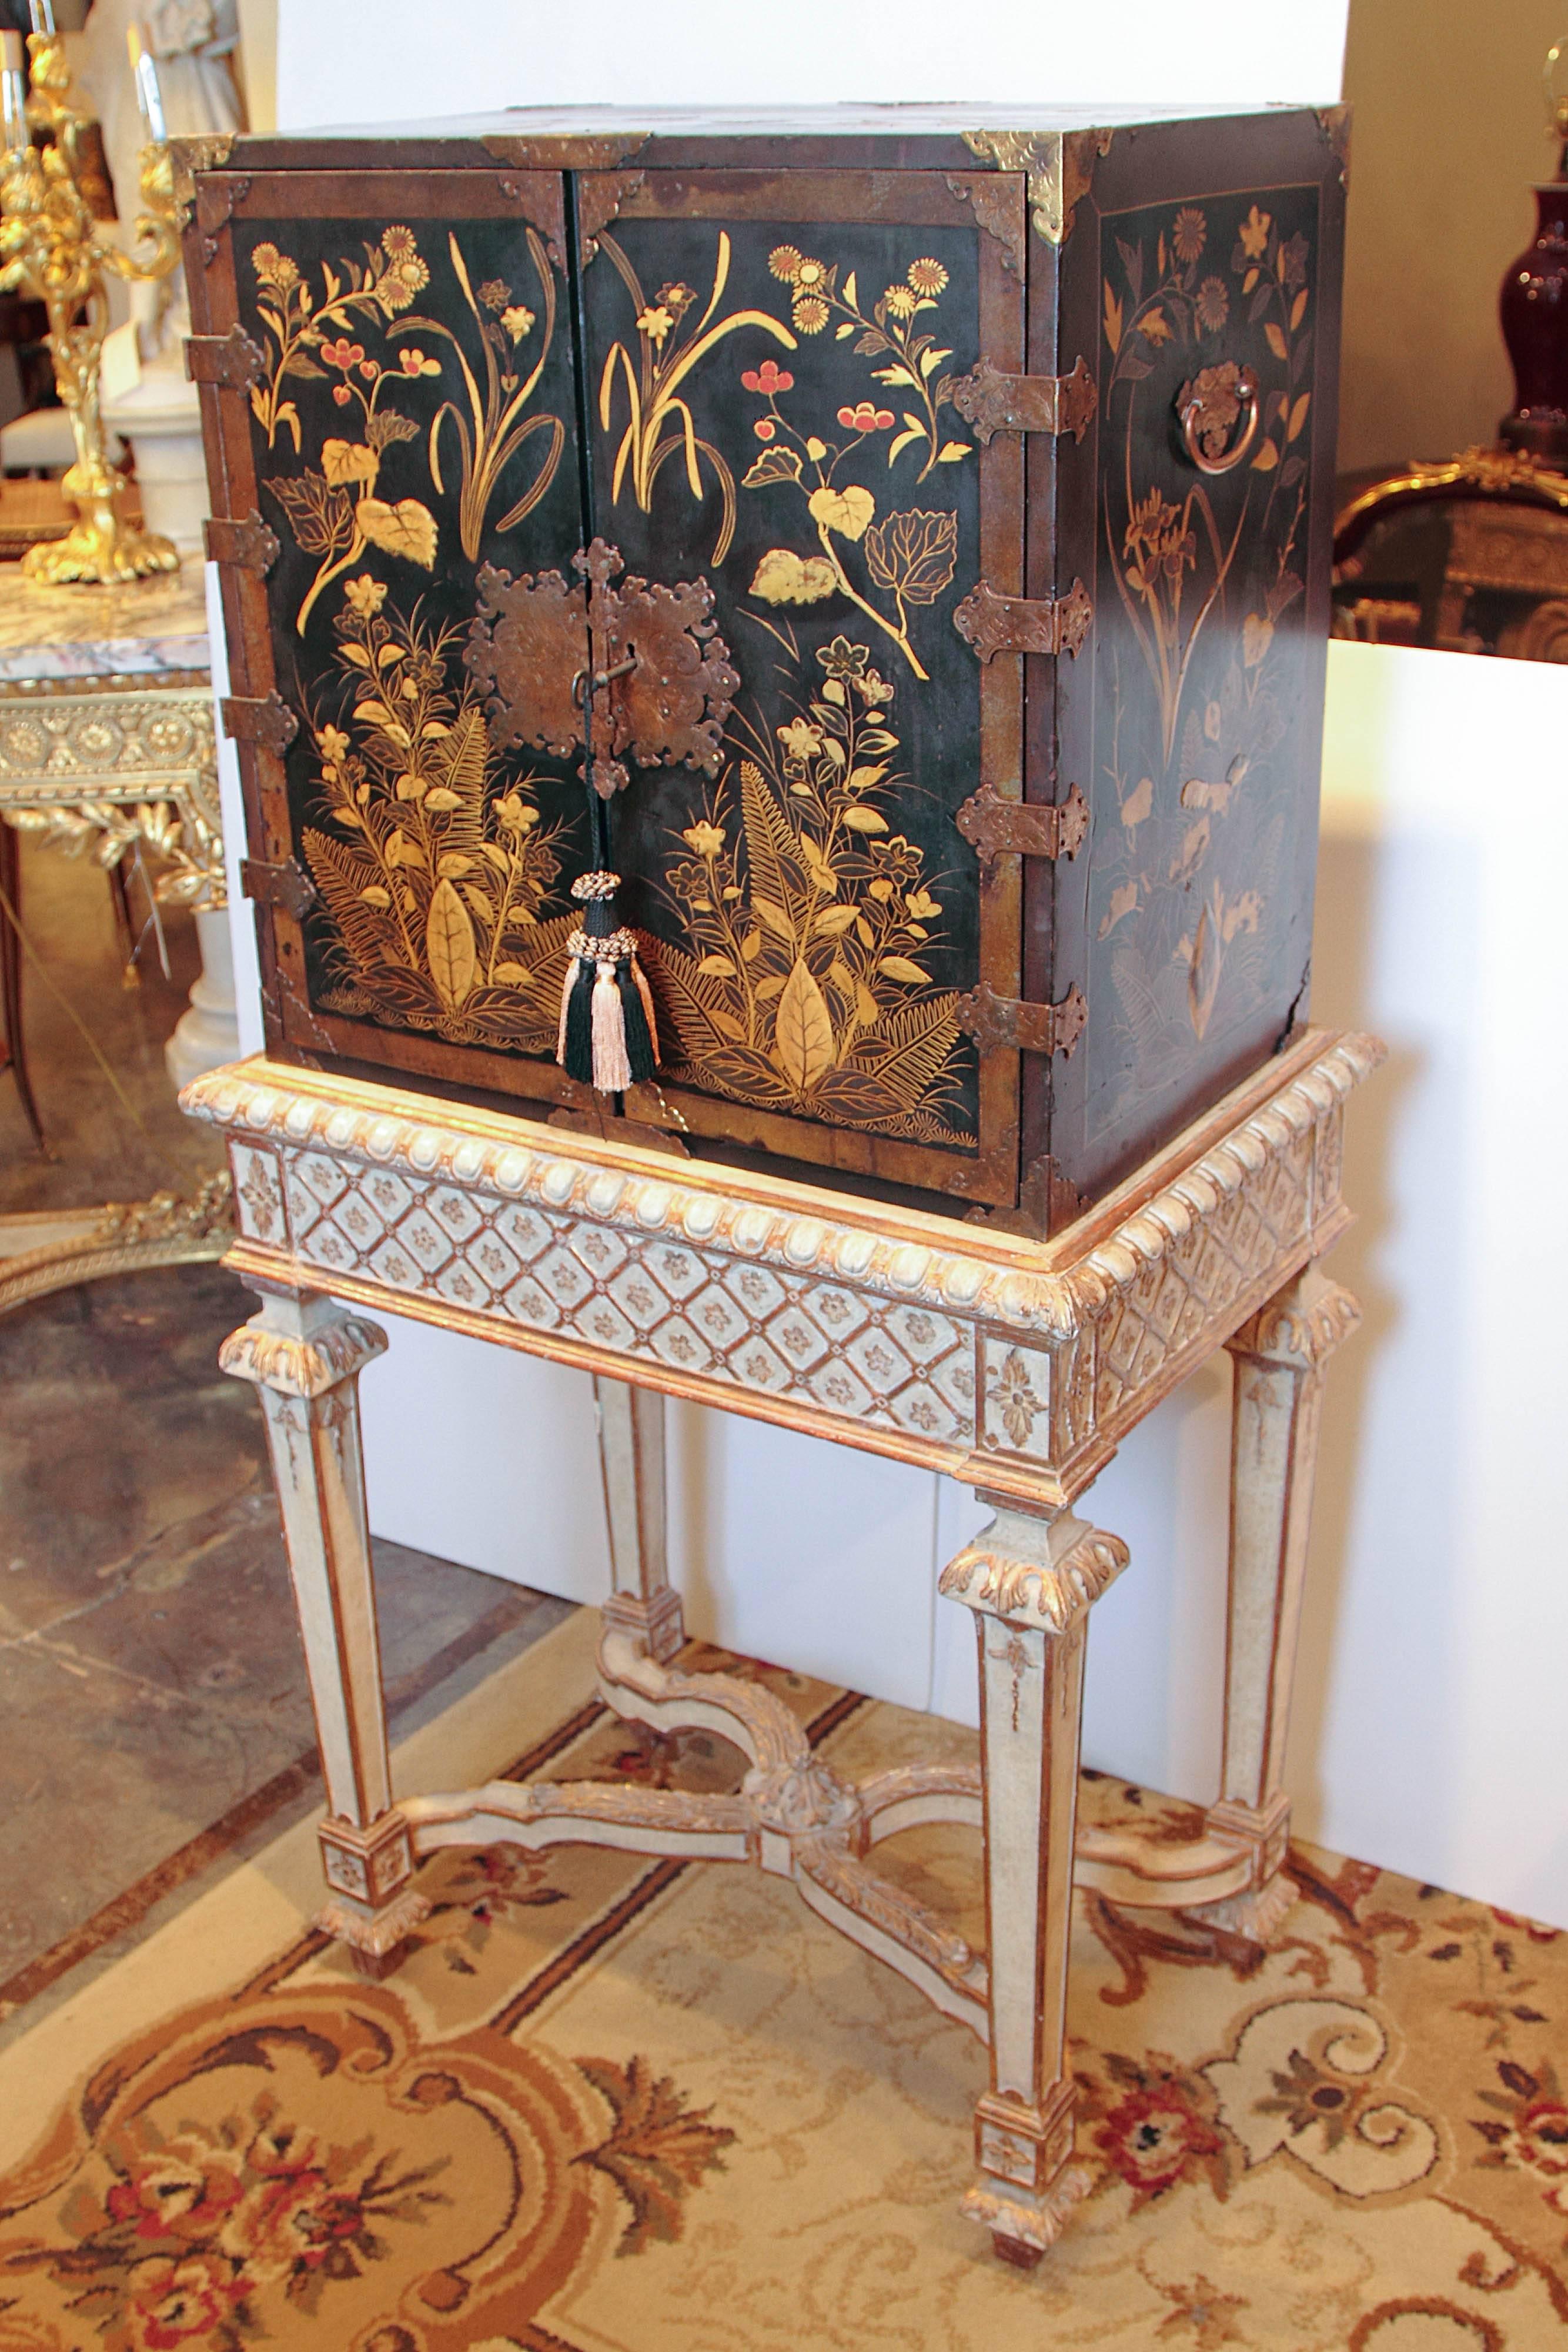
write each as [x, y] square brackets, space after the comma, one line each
[1059, 165]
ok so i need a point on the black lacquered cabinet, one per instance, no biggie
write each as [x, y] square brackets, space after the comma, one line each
[901, 545]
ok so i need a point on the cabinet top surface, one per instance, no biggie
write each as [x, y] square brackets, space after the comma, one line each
[635, 129]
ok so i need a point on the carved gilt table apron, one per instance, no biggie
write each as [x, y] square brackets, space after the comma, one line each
[1013, 1365]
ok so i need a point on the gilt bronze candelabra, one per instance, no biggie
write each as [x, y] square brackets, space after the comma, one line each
[52, 249]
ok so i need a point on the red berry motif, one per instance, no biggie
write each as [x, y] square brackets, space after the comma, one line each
[866, 418]
[770, 378]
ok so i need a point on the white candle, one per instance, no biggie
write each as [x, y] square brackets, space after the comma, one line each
[13, 93]
[144, 71]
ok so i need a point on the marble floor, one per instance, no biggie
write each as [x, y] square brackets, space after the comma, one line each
[155, 1717]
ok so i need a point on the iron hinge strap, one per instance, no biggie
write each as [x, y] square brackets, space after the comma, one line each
[287, 887]
[263, 719]
[996, 828]
[995, 1021]
[248, 544]
[1023, 624]
[231, 359]
[992, 402]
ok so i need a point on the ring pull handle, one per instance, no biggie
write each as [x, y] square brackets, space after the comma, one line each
[1210, 407]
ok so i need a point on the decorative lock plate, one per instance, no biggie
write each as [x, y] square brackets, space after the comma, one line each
[996, 828]
[994, 403]
[992, 1021]
[287, 887]
[1023, 624]
[265, 719]
[637, 669]
[231, 359]
[249, 545]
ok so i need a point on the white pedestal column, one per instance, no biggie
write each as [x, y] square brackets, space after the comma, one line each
[209, 1033]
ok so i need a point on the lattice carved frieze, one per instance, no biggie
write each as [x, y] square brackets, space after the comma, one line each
[1006, 1362]
[113, 770]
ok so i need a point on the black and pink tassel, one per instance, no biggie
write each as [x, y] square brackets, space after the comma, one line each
[608, 1038]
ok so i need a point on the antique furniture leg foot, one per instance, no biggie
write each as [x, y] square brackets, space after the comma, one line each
[643, 1604]
[1279, 1356]
[1030, 1581]
[304, 1355]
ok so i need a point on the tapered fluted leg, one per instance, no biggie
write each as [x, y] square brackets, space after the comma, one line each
[1031, 1582]
[632, 1458]
[304, 1355]
[1279, 1363]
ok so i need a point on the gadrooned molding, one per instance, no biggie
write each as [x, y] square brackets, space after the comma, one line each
[270, 1104]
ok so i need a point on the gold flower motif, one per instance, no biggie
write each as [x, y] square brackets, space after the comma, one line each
[1190, 233]
[366, 596]
[398, 245]
[921, 907]
[494, 294]
[811, 314]
[784, 261]
[516, 322]
[810, 275]
[928, 277]
[707, 839]
[1254, 234]
[331, 742]
[656, 323]
[800, 740]
[274, 268]
[1213, 305]
[901, 301]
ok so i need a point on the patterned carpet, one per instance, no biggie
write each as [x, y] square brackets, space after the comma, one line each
[610, 2104]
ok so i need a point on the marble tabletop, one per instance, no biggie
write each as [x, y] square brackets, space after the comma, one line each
[152, 626]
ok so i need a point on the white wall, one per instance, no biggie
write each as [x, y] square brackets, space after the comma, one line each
[1430, 1731]
[458, 55]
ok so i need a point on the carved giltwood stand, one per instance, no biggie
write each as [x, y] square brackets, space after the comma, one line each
[1014, 1365]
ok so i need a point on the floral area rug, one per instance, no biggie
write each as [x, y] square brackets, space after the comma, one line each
[615, 2105]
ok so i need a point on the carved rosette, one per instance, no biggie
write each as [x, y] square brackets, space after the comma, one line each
[1034, 1573]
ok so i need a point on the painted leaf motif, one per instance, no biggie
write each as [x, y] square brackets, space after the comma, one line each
[449, 944]
[407, 529]
[804, 1034]
[349, 461]
[321, 515]
[785, 578]
[845, 511]
[914, 555]
[780, 464]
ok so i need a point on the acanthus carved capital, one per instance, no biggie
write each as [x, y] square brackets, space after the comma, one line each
[1301, 1327]
[307, 1363]
[1033, 1572]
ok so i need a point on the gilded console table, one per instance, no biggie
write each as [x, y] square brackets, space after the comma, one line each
[1013, 1365]
[107, 743]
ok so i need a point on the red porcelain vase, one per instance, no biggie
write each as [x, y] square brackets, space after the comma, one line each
[1534, 308]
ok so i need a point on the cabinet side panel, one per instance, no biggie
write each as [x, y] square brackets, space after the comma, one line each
[1207, 262]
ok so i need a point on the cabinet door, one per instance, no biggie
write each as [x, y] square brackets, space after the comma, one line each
[768, 360]
[412, 416]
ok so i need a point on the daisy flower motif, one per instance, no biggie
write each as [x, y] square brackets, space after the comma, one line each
[811, 314]
[784, 261]
[901, 301]
[398, 245]
[1213, 305]
[928, 277]
[1190, 233]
